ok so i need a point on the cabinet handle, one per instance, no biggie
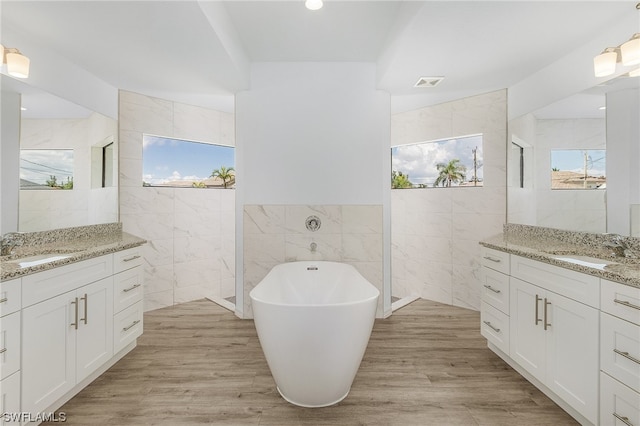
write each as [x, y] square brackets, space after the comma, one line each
[624, 420]
[538, 299]
[86, 300]
[546, 303]
[497, 330]
[129, 259]
[132, 324]
[491, 288]
[493, 259]
[4, 299]
[626, 355]
[625, 303]
[3, 350]
[133, 287]
[75, 303]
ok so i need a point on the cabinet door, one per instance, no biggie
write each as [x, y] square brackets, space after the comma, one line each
[619, 405]
[48, 352]
[10, 399]
[9, 344]
[572, 353]
[527, 335]
[94, 341]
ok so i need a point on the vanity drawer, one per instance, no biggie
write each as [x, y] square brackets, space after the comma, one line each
[127, 288]
[10, 397]
[495, 259]
[578, 286]
[127, 326]
[494, 326]
[620, 350]
[53, 282]
[9, 344]
[619, 405]
[620, 300]
[10, 300]
[127, 259]
[495, 289]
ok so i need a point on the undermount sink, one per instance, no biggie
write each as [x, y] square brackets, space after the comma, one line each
[39, 259]
[591, 262]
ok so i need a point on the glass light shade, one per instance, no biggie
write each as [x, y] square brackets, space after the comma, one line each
[313, 4]
[18, 65]
[630, 51]
[605, 64]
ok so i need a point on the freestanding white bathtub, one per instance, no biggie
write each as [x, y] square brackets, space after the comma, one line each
[314, 320]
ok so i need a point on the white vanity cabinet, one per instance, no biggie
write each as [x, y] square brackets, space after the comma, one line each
[127, 307]
[10, 347]
[494, 311]
[619, 354]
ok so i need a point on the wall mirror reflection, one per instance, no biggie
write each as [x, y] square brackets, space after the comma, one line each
[59, 139]
[578, 169]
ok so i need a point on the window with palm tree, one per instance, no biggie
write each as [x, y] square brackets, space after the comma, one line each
[444, 163]
[182, 163]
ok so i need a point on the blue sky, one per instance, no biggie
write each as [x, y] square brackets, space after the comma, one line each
[419, 160]
[37, 165]
[573, 160]
[166, 159]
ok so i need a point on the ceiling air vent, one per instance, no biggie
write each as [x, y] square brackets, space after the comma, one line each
[428, 81]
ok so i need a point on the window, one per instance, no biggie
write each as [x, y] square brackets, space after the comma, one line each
[518, 158]
[442, 163]
[46, 169]
[578, 169]
[186, 164]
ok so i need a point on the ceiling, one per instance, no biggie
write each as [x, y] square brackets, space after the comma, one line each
[202, 51]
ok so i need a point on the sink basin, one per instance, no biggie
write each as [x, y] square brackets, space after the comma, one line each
[591, 262]
[39, 259]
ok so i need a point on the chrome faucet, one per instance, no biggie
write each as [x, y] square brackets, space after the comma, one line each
[619, 247]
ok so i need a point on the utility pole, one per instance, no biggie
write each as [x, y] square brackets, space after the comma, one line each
[586, 162]
[475, 166]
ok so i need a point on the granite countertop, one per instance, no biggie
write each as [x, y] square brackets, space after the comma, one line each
[78, 244]
[546, 244]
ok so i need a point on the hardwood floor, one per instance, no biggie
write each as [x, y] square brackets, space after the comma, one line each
[198, 364]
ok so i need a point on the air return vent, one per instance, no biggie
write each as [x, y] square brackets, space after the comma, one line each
[428, 81]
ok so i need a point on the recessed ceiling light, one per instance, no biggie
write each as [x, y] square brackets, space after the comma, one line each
[23, 109]
[313, 4]
[602, 108]
[428, 81]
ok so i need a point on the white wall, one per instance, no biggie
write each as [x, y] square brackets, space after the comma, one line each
[9, 161]
[312, 134]
[623, 158]
[190, 232]
[436, 231]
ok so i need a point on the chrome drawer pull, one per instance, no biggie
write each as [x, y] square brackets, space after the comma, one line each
[129, 259]
[75, 303]
[624, 420]
[628, 304]
[133, 287]
[493, 259]
[497, 330]
[3, 350]
[546, 324]
[134, 323]
[626, 355]
[86, 300]
[4, 299]
[491, 288]
[538, 299]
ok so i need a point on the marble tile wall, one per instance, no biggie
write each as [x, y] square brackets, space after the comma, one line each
[191, 232]
[275, 234]
[435, 231]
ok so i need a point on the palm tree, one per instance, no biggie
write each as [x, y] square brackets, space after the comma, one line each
[223, 173]
[452, 172]
[400, 180]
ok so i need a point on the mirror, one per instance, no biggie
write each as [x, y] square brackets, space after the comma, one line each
[556, 168]
[56, 193]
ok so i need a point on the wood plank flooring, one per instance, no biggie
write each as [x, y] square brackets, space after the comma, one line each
[198, 364]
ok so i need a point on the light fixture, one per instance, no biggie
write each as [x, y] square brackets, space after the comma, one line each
[313, 4]
[630, 50]
[628, 53]
[17, 63]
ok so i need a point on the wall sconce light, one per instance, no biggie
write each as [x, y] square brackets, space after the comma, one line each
[17, 63]
[628, 53]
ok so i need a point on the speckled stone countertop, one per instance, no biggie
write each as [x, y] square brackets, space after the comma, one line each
[543, 244]
[79, 243]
